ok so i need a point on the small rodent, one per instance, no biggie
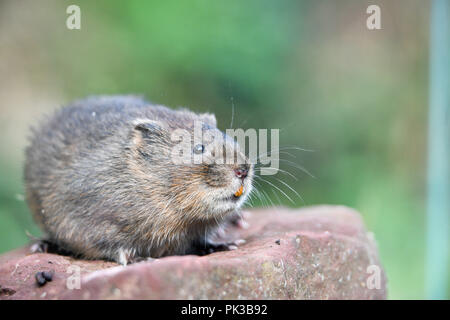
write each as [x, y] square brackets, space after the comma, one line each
[101, 183]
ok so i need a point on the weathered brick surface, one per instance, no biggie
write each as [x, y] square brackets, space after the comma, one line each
[319, 252]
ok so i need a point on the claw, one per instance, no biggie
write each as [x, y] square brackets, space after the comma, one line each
[41, 246]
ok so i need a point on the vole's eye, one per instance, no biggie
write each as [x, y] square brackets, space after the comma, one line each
[199, 149]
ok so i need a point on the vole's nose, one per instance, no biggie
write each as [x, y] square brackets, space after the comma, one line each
[241, 173]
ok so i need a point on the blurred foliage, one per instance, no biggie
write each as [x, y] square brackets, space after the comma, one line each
[358, 98]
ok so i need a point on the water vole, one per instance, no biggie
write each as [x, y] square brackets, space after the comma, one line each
[101, 181]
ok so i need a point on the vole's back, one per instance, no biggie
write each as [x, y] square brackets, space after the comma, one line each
[88, 122]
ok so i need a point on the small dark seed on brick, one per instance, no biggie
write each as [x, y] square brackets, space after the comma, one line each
[40, 280]
[278, 242]
[48, 275]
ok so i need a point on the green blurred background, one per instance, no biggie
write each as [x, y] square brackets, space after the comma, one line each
[359, 98]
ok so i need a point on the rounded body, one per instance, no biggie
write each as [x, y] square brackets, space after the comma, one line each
[101, 184]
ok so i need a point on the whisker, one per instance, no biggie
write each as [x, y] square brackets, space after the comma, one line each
[287, 185]
[267, 196]
[242, 123]
[251, 198]
[301, 168]
[299, 148]
[232, 106]
[276, 187]
[279, 149]
[297, 166]
[278, 169]
[276, 195]
[260, 196]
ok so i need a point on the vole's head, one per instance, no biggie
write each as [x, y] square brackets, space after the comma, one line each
[192, 165]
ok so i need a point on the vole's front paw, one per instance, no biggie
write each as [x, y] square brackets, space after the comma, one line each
[128, 256]
[210, 247]
[140, 259]
[47, 246]
[40, 246]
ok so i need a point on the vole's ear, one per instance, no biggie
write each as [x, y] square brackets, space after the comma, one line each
[148, 127]
[209, 118]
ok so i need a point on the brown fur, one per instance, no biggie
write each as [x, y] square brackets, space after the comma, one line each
[101, 184]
